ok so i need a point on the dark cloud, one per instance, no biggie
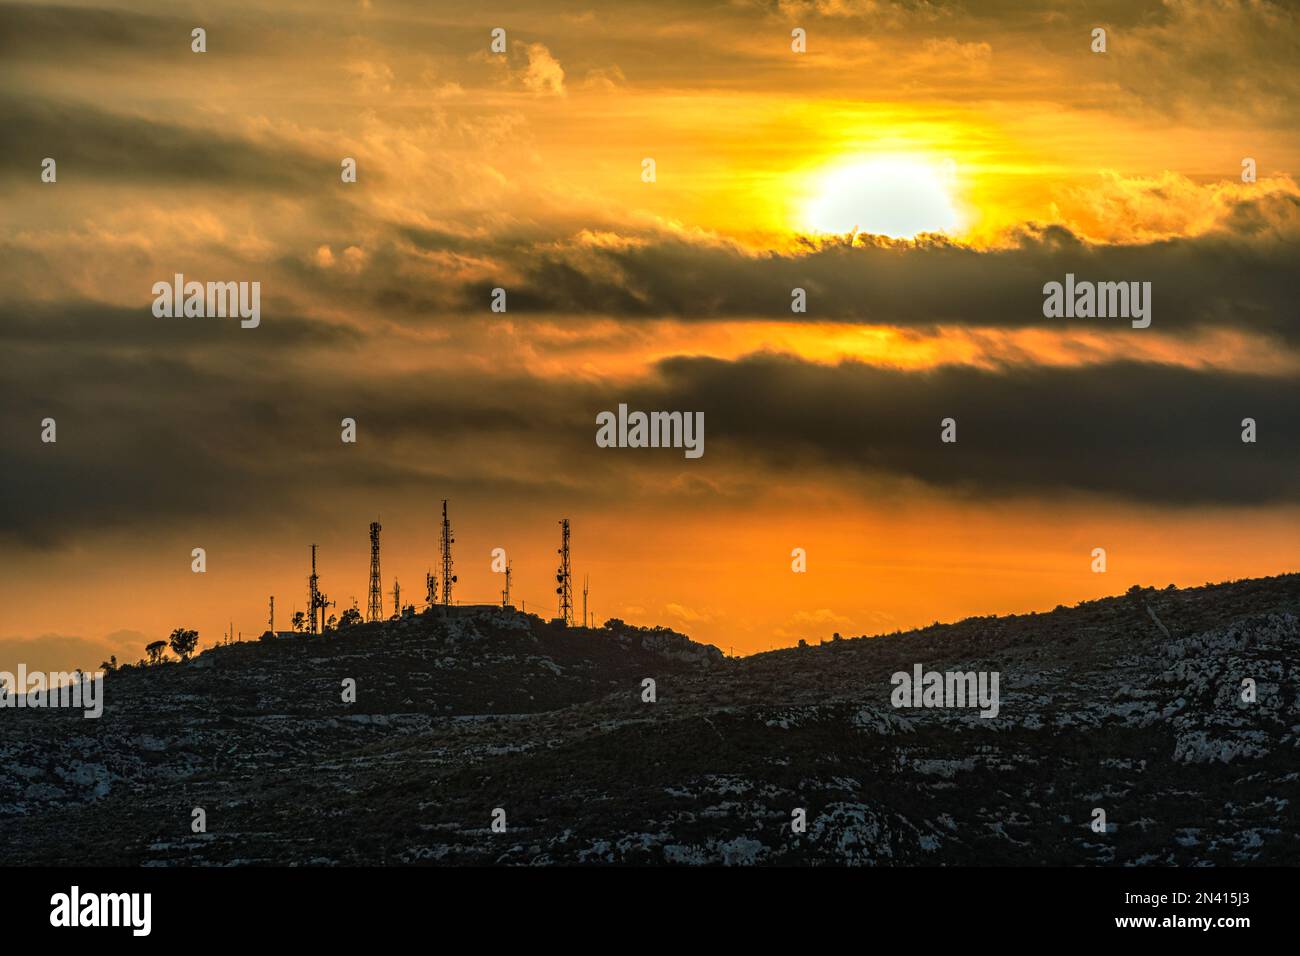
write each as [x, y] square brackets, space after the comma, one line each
[80, 327]
[216, 422]
[169, 433]
[38, 32]
[90, 143]
[1230, 279]
[1154, 433]
[88, 37]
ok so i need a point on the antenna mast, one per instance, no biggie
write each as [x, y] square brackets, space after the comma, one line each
[564, 575]
[505, 595]
[448, 579]
[397, 599]
[585, 580]
[316, 601]
[374, 610]
[313, 593]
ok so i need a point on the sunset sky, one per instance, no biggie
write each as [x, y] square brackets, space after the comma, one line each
[922, 170]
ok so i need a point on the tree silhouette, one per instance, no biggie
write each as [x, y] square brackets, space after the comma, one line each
[350, 616]
[183, 642]
[156, 651]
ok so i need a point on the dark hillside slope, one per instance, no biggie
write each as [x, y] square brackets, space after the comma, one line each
[1130, 704]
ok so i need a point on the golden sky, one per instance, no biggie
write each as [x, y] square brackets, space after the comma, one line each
[921, 169]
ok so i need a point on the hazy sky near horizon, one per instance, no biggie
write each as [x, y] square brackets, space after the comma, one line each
[921, 170]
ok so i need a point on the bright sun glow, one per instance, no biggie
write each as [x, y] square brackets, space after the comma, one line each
[896, 196]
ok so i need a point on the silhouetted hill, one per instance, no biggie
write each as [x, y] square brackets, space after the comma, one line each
[1131, 704]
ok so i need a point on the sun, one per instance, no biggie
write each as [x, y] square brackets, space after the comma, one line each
[895, 196]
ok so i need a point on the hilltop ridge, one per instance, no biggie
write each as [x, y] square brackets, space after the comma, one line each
[1130, 703]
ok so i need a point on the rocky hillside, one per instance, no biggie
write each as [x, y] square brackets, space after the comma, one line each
[1132, 705]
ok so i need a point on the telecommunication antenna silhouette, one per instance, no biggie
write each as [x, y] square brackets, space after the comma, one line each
[448, 579]
[586, 580]
[313, 593]
[564, 576]
[505, 595]
[397, 599]
[430, 588]
[316, 601]
[270, 622]
[374, 611]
